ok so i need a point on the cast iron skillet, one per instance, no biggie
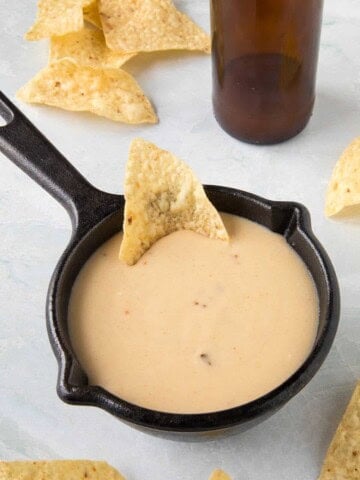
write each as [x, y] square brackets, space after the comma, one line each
[95, 217]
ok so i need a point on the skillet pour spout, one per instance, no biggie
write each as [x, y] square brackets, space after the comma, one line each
[96, 216]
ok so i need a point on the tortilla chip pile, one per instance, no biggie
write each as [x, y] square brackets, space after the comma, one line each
[84, 71]
[342, 460]
[58, 470]
[343, 195]
[69, 470]
[162, 195]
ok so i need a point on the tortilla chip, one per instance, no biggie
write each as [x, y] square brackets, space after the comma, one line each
[343, 195]
[162, 195]
[58, 470]
[111, 93]
[149, 25]
[86, 47]
[342, 460]
[219, 475]
[91, 14]
[57, 17]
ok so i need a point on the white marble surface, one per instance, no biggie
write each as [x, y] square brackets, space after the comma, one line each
[34, 423]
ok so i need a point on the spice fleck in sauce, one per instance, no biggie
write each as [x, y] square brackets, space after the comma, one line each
[197, 325]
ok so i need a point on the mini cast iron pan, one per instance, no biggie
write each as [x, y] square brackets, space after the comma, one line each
[96, 216]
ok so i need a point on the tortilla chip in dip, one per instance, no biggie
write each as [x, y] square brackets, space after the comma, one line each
[57, 17]
[162, 195]
[58, 470]
[219, 475]
[149, 25]
[86, 47]
[342, 460]
[343, 195]
[111, 93]
[91, 14]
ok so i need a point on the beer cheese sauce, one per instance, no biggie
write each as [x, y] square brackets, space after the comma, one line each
[197, 325]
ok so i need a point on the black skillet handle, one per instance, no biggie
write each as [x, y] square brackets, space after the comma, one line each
[24, 145]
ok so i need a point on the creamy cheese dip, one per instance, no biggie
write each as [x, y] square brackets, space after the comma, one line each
[197, 325]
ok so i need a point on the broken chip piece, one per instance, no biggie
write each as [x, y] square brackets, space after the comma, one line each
[162, 195]
[86, 47]
[219, 475]
[58, 470]
[343, 195]
[342, 460]
[57, 17]
[111, 93]
[149, 25]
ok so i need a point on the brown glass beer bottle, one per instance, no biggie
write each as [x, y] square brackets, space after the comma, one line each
[264, 55]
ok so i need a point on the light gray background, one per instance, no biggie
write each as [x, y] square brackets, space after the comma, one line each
[34, 423]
